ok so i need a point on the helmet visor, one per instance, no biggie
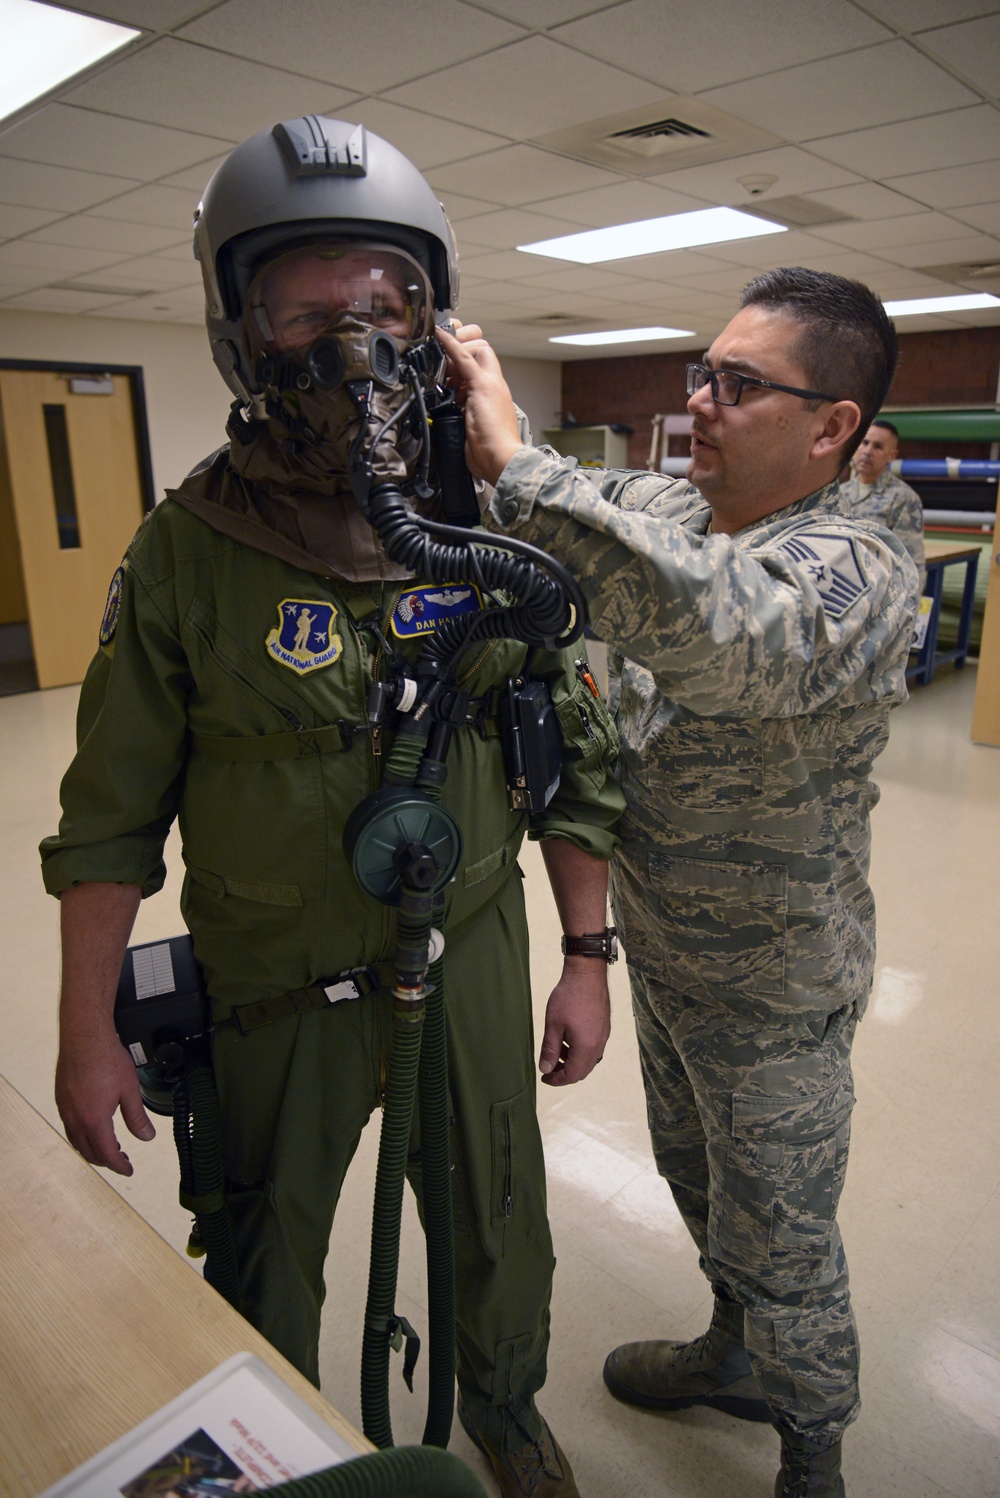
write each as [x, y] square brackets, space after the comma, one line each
[298, 296]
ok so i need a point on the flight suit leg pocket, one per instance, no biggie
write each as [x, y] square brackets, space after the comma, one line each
[516, 1165]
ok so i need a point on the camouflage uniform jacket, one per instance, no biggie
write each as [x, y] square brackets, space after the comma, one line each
[894, 505]
[752, 677]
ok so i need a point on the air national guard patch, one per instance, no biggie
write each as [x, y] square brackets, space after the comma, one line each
[109, 622]
[423, 609]
[831, 563]
[304, 639]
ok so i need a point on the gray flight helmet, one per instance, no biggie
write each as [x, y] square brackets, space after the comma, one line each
[305, 180]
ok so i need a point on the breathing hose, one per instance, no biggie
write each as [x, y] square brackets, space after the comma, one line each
[198, 1140]
[403, 1472]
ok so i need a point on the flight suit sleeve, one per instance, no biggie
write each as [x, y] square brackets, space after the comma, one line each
[588, 803]
[121, 791]
[723, 627]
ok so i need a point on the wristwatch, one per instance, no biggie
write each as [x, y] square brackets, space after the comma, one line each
[603, 944]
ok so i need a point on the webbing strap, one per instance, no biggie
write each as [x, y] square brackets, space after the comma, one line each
[352, 983]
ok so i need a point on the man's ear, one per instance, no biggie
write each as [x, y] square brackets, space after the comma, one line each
[842, 420]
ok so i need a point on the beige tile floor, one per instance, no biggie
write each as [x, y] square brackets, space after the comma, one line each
[921, 1209]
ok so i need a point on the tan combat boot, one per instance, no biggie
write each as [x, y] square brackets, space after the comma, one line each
[808, 1471]
[524, 1454]
[713, 1370]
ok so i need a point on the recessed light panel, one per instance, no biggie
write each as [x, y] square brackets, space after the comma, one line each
[44, 45]
[624, 335]
[651, 236]
[967, 303]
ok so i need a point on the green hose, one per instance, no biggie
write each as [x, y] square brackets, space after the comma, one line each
[198, 1138]
[435, 1154]
[403, 1472]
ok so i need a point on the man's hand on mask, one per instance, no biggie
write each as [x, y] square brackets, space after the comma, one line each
[474, 373]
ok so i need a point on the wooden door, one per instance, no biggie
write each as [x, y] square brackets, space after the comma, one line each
[77, 501]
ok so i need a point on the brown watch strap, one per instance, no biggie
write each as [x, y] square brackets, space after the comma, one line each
[602, 944]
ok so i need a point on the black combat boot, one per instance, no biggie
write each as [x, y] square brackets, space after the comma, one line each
[808, 1471]
[526, 1458]
[713, 1370]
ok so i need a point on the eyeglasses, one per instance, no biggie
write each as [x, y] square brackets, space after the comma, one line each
[727, 387]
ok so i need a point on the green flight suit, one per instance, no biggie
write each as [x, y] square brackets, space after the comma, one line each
[231, 692]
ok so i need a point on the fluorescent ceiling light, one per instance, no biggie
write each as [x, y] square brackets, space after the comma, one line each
[650, 236]
[624, 335]
[941, 304]
[43, 46]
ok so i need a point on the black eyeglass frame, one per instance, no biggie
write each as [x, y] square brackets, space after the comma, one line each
[712, 378]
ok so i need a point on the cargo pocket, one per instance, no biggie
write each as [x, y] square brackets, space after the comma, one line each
[784, 1170]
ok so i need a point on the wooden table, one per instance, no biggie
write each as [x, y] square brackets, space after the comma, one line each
[101, 1322]
[939, 555]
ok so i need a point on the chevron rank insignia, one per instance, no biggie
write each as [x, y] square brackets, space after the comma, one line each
[831, 564]
[304, 639]
[423, 609]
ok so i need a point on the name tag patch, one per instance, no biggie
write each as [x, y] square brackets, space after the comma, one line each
[831, 564]
[423, 609]
[304, 638]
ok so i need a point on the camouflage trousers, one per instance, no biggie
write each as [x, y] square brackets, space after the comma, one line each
[750, 1127]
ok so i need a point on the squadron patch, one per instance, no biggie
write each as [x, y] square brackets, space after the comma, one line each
[831, 564]
[422, 610]
[304, 639]
[109, 621]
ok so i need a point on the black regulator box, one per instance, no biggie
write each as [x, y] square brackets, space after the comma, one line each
[161, 997]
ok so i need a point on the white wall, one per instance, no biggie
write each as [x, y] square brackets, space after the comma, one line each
[186, 400]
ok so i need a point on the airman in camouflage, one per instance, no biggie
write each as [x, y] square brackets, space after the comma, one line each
[758, 638]
[874, 492]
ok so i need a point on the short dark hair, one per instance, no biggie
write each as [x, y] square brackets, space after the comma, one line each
[848, 343]
[880, 422]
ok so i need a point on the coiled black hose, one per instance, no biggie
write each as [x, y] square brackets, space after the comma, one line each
[400, 1472]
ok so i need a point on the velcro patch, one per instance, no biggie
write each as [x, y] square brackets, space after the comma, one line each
[304, 638]
[109, 621]
[831, 564]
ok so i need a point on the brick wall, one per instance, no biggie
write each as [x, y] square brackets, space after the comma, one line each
[959, 367]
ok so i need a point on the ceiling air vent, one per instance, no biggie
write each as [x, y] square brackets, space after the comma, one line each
[662, 137]
[974, 275]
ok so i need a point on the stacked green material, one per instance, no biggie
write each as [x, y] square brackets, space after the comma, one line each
[954, 584]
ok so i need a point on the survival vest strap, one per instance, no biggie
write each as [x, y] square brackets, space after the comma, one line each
[352, 983]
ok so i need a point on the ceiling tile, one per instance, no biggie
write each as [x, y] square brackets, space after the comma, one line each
[797, 171]
[540, 14]
[942, 140]
[195, 177]
[864, 200]
[517, 175]
[951, 187]
[584, 278]
[63, 136]
[459, 208]
[389, 40]
[969, 249]
[32, 186]
[915, 15]
[528, 89]
[985, 216]
[623, 203]
[58, 260]
[498, 265]
[889, 234]
[192, 88]
[106, 234]
[973, 49]
[58, 299]
[156, 15]
[692, 47]
[15, 221]
[506, 228]
[842, 93]
[169, 207]
[159, 272]
[425, 139]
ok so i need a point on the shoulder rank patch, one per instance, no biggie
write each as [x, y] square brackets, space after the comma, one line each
[423, 609]
[109, 621]
[304, 639]
[831, 564]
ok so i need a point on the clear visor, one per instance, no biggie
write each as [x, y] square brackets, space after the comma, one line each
[295, 298]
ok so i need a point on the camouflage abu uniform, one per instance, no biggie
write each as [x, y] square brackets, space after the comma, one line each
[893, 504]
[754, 696]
